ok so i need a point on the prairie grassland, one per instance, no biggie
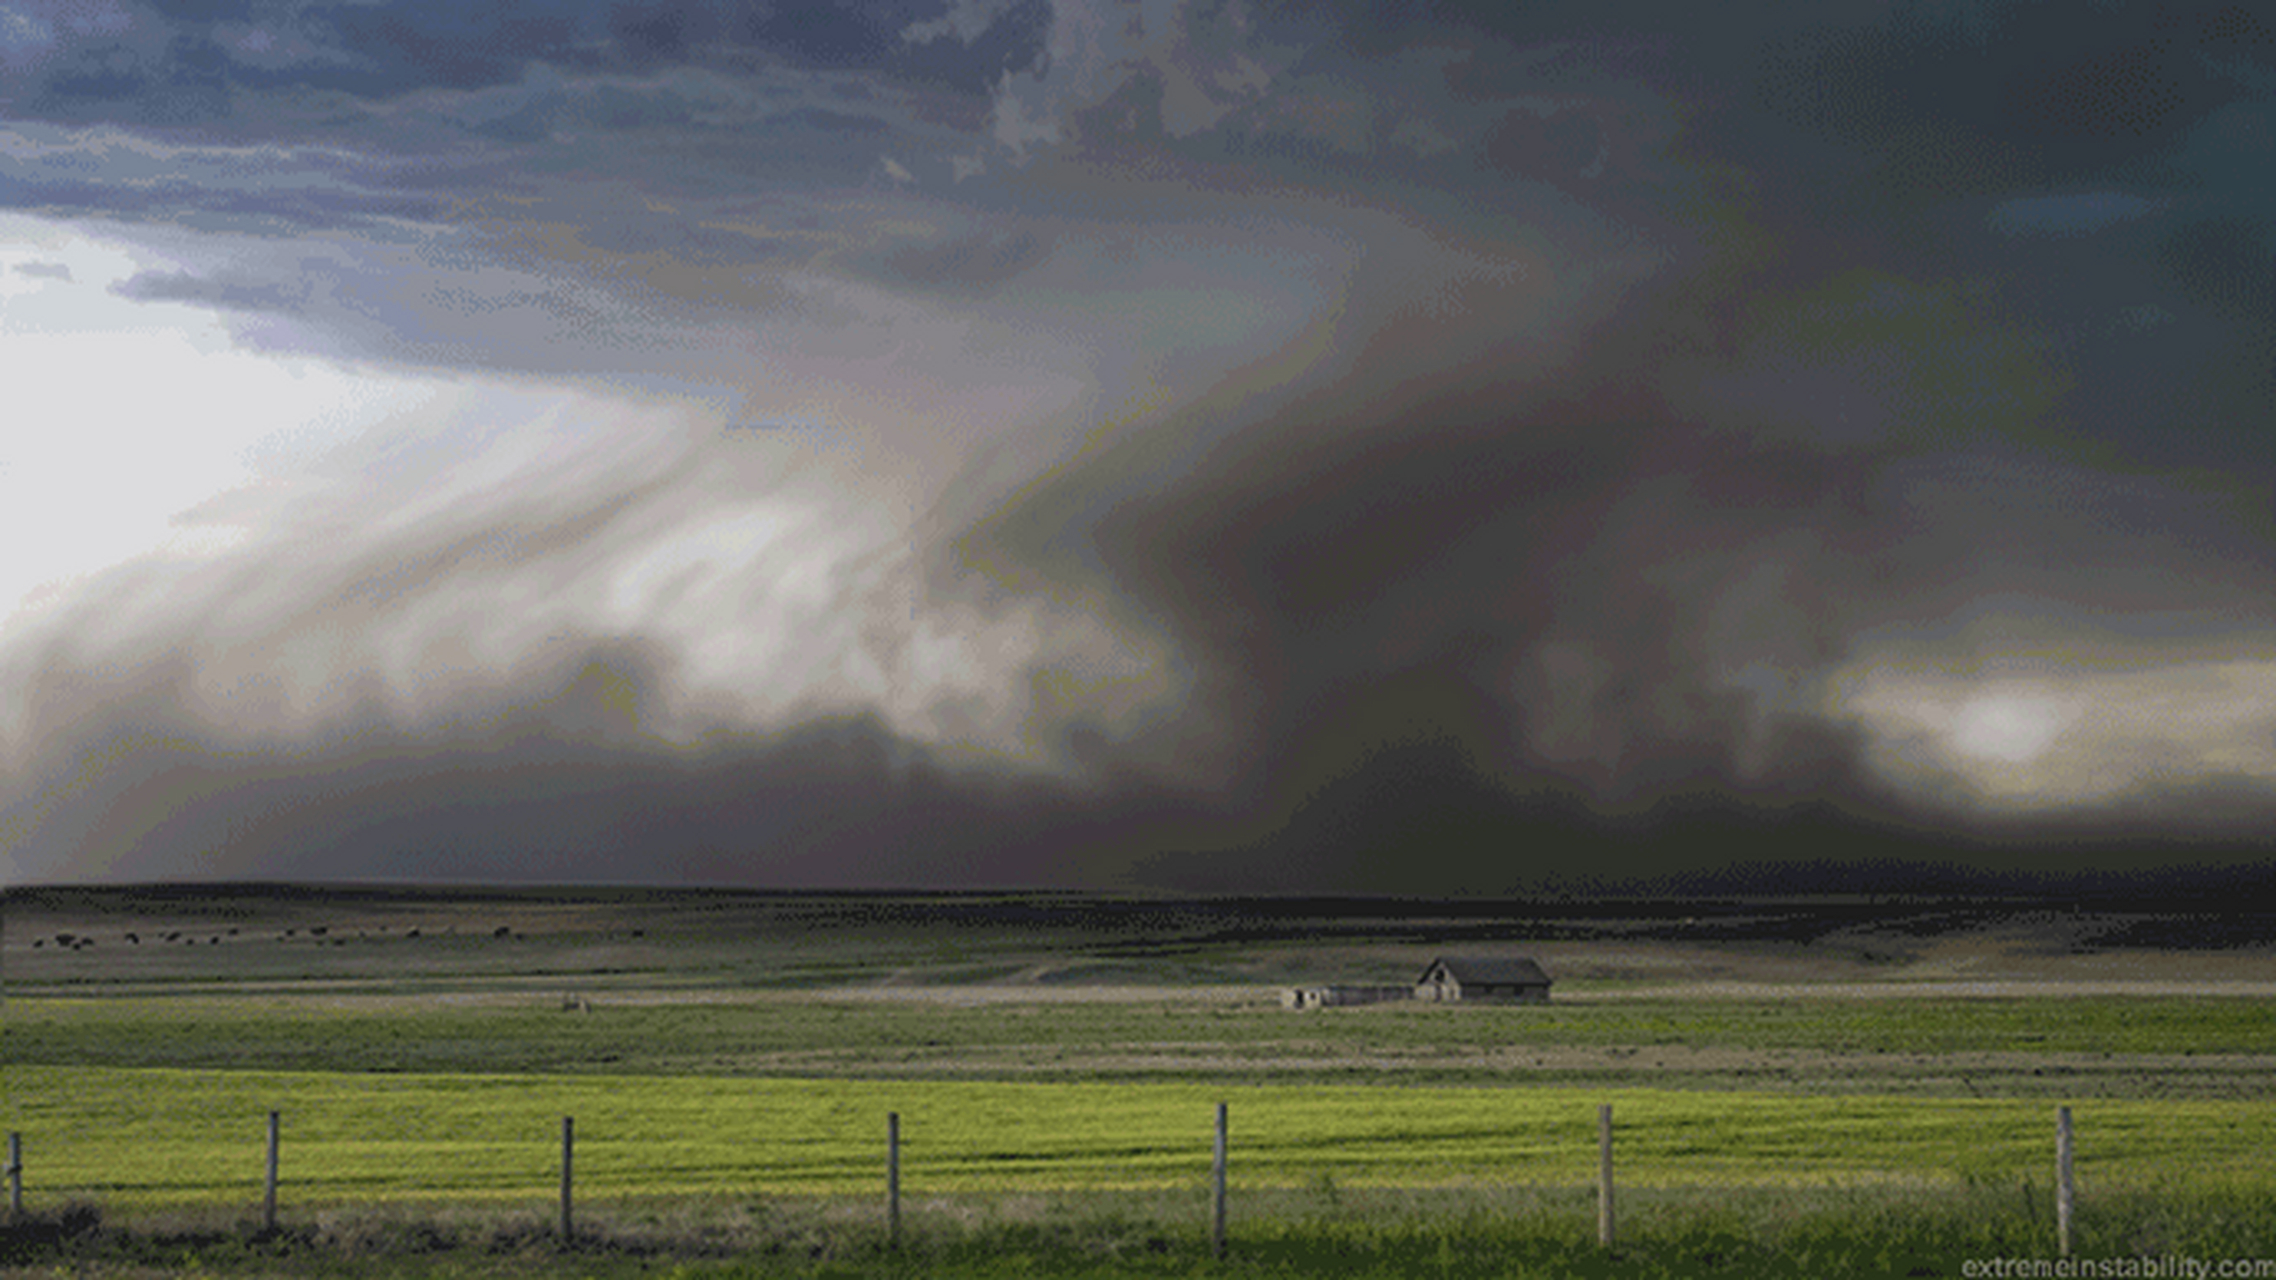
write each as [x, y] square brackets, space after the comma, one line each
[160, 1137]
[1323, 1225]
[2099, 1046]
[466, 940]
[732, 1076]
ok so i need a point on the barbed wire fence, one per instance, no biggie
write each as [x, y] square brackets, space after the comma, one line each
[912, 1174]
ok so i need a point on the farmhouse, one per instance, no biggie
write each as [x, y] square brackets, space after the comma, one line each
[1489, 980]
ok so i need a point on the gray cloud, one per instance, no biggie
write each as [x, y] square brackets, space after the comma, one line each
[977, 262]
[221, 295]
[104, 171]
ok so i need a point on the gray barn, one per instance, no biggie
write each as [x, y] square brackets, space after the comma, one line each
[1490, 980]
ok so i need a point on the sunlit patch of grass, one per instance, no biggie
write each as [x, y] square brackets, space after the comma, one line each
[168, 1137]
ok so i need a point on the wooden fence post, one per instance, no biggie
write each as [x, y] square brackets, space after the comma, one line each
[568, 1156]
[2063, 1188]
[15, 1175]
[1604, 1174]
[269, 1193]
[1217, 1232]
[893, 1179]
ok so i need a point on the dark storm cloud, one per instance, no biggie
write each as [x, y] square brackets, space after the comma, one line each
[264, 188]
[546, 785]
[183, 82]
[1498, 606]
[2075, 215]
[1456, 446]
[180, 65]
[974, 47]
[190, 205]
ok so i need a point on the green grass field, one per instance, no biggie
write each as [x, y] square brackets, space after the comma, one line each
[2121, 1047]
[454, 1174]
[163, 1136]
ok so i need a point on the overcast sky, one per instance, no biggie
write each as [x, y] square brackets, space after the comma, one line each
[1459, 447]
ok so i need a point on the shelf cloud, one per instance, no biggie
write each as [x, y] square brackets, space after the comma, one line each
[1266, 448]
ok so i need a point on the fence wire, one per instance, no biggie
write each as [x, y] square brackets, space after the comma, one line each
[142, 1143]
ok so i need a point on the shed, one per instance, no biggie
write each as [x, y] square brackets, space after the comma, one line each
[1496, 980]
[1331, 996]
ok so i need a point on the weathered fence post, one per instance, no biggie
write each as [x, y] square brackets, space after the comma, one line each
[1604, 1174]
[1217, 1175]
[2063, 1180]
[568, 1156]
[269, 1194]
[15, 1174]
[893, 1179]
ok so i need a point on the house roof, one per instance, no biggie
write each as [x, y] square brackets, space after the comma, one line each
[1490, 971]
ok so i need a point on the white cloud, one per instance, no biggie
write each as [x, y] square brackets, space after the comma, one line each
[2039, 730]
[126, 415]
[2007, 725]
